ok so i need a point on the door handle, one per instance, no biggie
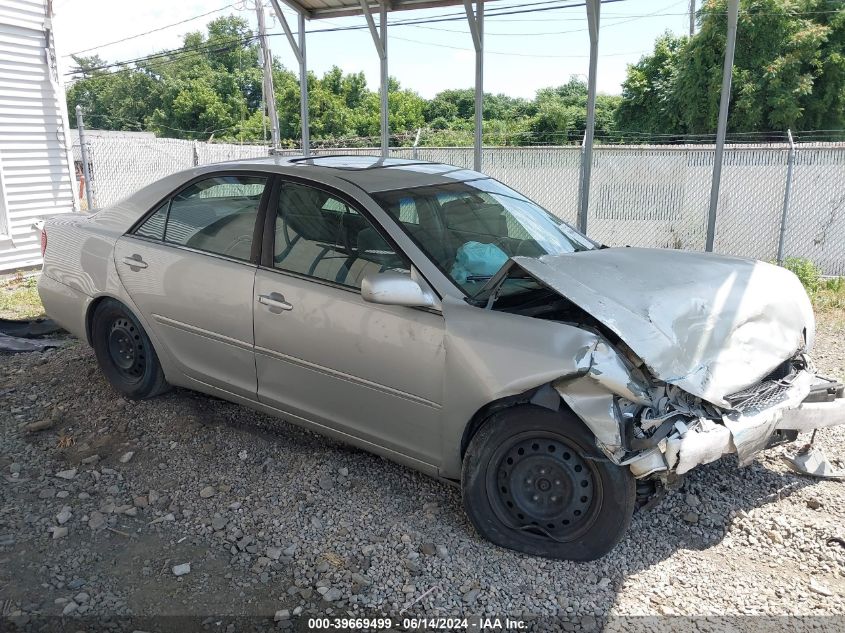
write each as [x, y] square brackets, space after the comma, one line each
[275, 301]
[135, 262]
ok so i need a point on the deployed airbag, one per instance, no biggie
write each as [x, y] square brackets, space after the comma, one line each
[477, 262]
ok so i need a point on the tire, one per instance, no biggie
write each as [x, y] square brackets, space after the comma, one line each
[125, 353]
[534, 481]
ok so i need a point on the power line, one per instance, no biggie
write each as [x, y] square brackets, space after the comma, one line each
[512, 54]
[176, 55]
[182, 53]
[156, 30]
[443, 17]
[234, 5]
[628, 18]
[446, 17]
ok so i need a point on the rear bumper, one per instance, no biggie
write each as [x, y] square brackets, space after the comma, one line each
[65, 305]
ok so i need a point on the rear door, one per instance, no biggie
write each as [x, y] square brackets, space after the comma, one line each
[190, 268]
[322, 352]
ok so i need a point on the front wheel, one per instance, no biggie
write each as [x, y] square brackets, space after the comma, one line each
[534, 481]
[125, 353]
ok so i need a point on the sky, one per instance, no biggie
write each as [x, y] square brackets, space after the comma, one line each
[523, 52]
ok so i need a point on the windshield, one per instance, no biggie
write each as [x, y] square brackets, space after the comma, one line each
[470, 229]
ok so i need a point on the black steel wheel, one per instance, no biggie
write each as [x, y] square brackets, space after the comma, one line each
[542, 484]
[124, 351]
[534, 481]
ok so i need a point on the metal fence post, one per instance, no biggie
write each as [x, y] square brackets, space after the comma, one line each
[790, 162]
[414, 152]
[83, 148]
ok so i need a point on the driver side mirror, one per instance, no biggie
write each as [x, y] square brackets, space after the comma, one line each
[395, 289]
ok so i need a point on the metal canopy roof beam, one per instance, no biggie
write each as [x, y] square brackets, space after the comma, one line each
[299, 52]
[593, 19]
[296, 6]
[476, 28]
[353, 9]
[380, 41]
[286, 28]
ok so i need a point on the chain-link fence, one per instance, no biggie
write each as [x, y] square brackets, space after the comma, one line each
[650, 196]
[122, 163]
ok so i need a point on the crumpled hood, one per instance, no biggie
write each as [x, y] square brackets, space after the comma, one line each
[710, 324]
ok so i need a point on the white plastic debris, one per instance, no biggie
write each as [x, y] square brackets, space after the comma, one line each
[811, 461]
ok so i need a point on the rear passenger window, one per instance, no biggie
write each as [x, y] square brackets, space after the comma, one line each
[153, 226]
[216, 215]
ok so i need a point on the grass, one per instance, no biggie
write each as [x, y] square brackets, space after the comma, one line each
[19, 298]
[829, 298]
[827, 294]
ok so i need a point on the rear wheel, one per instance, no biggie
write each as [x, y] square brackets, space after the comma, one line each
[125, 353]
[534, 481]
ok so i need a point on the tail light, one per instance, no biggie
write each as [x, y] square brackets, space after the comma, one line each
[43, 241]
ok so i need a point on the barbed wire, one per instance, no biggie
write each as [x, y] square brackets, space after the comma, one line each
[574, 136]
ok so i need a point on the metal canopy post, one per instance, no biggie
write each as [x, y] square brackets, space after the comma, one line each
[299, 53]
[303, 90]
[476, 28]
[380, 40]
[593, 17]
[724, 103]
[385, 81]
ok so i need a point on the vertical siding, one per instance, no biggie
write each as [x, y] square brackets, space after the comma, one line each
[33, 157]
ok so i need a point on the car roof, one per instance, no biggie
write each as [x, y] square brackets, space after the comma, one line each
[371, 173]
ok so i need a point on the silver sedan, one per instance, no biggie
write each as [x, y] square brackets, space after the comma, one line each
[436, 317]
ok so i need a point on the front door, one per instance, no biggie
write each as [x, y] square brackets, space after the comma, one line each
[190, 269]
[325, 354]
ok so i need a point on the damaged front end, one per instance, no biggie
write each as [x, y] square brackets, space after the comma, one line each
[658, 428]
[695, 357]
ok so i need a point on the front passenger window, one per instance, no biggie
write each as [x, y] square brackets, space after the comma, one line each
[321, 236]
[216, 215]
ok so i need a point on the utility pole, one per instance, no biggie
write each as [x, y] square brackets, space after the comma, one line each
[267, 58]
[691, 18]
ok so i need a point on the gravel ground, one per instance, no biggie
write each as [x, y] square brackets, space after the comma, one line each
[187, 505]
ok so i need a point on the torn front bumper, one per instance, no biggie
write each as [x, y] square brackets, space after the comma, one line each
[808, 402]
[824, 406]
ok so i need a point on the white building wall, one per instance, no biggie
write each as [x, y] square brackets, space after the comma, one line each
[35, 172]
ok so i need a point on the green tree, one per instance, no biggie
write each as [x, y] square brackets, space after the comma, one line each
[789, 72]
[562, 113]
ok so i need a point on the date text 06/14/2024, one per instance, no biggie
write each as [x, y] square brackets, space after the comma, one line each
[434, 624]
